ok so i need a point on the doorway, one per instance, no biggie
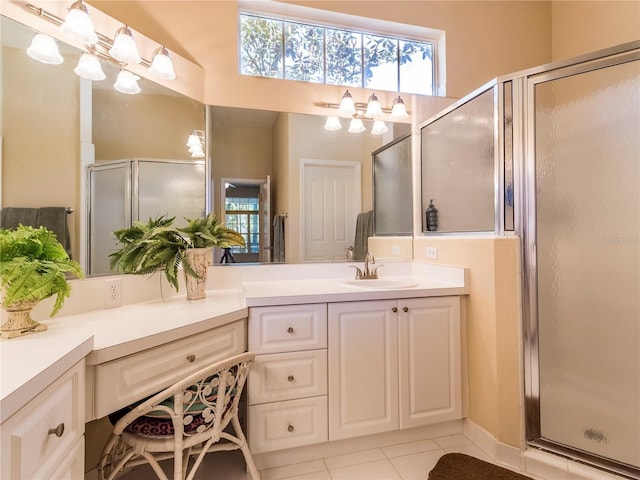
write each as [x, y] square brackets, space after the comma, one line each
[246, 209]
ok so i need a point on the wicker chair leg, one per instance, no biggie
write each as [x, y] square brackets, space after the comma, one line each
[251, 467]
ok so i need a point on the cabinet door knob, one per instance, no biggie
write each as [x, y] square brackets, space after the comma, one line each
[290, 330]
[290, 428]
[394, 309]
[191, 358]
[58, 431]
[405, 309]
[290, 378]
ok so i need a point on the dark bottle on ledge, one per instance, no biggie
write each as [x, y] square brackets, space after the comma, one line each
[432, 217]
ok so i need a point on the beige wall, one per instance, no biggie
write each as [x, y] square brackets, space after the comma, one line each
[40, 129]
[484, 39]
[493, 333]
[585, 26]
[143, 126]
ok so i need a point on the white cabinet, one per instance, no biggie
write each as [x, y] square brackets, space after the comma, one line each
[363, 368]
[45, 438]
[287, 387]
[393, 364]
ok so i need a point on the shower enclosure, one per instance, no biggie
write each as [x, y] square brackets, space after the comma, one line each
[558, 150]
[123, 191]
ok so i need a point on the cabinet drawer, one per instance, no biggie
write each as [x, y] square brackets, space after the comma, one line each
[287, 328]
[275, 426]
[30, 449]
[287, 376]
[129, 379]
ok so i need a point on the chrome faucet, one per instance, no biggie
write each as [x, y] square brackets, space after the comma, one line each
[367, 274]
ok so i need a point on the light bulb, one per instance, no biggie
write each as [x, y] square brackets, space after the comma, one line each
[161, 65]
[89, 67]
[332, 124]
[44, 49]
[124, 48]
[78, 24]
[347, 107]
[399, 110]
[127, 83]
[374, 109]
[356, 126]
[379, 127]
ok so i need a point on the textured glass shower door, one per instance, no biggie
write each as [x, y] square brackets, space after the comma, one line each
[587, 251]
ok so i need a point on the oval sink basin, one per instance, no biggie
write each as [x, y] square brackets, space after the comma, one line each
[380, 283]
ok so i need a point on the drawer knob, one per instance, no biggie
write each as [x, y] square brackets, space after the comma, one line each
[58, 431]
[290, 428]
[405, 309]
[191, 358]
[290, 330]
[290, 378]
[394, 309]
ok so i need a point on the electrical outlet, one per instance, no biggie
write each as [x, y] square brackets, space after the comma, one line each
[113, 293]
[432, 252]
[395, 249]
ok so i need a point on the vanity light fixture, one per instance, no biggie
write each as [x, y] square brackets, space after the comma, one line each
[195, 142]
[347, 107]
[399, 110]
[332, 124]
[78, 24]
[89, 67]
[127, 83]
[44, 49]
[374, 109]
[379, 127]
[124, 48]
[161, 65]
[356, 126]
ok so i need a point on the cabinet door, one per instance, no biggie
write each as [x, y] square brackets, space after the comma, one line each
[363, 368]
[429, 354]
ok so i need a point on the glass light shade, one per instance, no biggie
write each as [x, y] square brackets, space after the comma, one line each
[44, 49]
[194, 141]
[89, 67]
[161, 65]
[356, 126]
[379, 127]
[332, 124]
[347, 107]
[374, 109]
[78, 25]
[196, 152]
[399, 110]
[127, 83]
[124, 48]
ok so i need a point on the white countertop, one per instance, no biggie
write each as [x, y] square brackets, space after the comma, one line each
[29, 364]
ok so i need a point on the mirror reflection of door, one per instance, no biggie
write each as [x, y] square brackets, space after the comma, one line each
[331, 202]
[247, 210]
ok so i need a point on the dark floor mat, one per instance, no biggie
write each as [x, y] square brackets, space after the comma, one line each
[458, 466]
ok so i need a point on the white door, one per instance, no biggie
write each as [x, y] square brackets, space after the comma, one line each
[363, 368]
[330, 204]
[264, 254]
[429, 356]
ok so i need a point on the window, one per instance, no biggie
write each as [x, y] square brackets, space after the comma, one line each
[242, 215]
[277, 48]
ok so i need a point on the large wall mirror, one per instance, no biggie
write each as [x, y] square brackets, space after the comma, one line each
[307, 184]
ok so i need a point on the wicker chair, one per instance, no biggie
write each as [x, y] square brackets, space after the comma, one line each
[183, 422]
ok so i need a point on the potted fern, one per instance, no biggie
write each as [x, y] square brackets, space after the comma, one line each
[33, 266]
[157, 245]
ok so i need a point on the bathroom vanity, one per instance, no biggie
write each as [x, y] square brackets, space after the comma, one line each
[334, 361]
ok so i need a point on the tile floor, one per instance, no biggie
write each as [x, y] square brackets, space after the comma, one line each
[407, 461]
